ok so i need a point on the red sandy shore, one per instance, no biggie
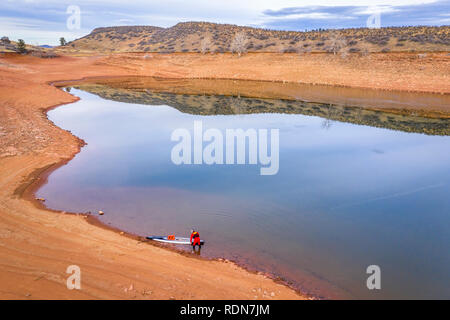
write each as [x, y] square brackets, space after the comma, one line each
[37, 245]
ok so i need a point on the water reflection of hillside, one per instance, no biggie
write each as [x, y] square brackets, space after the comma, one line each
[227, 105]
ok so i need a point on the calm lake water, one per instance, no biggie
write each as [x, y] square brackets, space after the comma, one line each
[346, 196]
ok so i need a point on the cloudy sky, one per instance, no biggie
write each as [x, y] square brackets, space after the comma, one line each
[45, 21]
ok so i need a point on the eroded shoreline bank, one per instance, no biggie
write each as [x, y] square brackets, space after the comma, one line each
[28, 232]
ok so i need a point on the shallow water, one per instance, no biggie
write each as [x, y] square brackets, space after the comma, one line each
[346, 195]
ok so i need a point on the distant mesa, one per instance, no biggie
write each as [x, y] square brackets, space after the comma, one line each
[217, 38]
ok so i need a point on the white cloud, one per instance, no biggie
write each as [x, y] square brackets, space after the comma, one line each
[377, 9]
[47, 16]
[312, 15]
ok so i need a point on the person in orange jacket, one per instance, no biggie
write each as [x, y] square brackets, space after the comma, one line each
[195, 239]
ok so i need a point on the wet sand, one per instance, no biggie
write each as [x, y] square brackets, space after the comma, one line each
[37, 245]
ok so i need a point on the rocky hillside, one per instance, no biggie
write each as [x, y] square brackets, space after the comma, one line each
[211, 37]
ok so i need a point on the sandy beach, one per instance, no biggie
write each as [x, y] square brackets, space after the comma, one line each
[37, 245]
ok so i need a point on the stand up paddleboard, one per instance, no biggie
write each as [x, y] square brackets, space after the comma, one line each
[177, 240]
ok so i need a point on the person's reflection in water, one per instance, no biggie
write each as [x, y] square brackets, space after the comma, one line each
[197, 252]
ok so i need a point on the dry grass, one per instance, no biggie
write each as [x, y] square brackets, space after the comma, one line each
[188, 37]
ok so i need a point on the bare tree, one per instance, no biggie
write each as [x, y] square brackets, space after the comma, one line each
[205, 45]
[365, 50]
[238, 105]
[329, 117]
[326, 124]
[337, 42]
[239, 43]
[344, 52]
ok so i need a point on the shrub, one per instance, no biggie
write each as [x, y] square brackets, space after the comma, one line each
[289, 50]
[305, 48]
[44, 54]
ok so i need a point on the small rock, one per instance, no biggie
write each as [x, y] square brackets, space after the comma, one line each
[101, 212]
[122, 233]
[272, 294]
